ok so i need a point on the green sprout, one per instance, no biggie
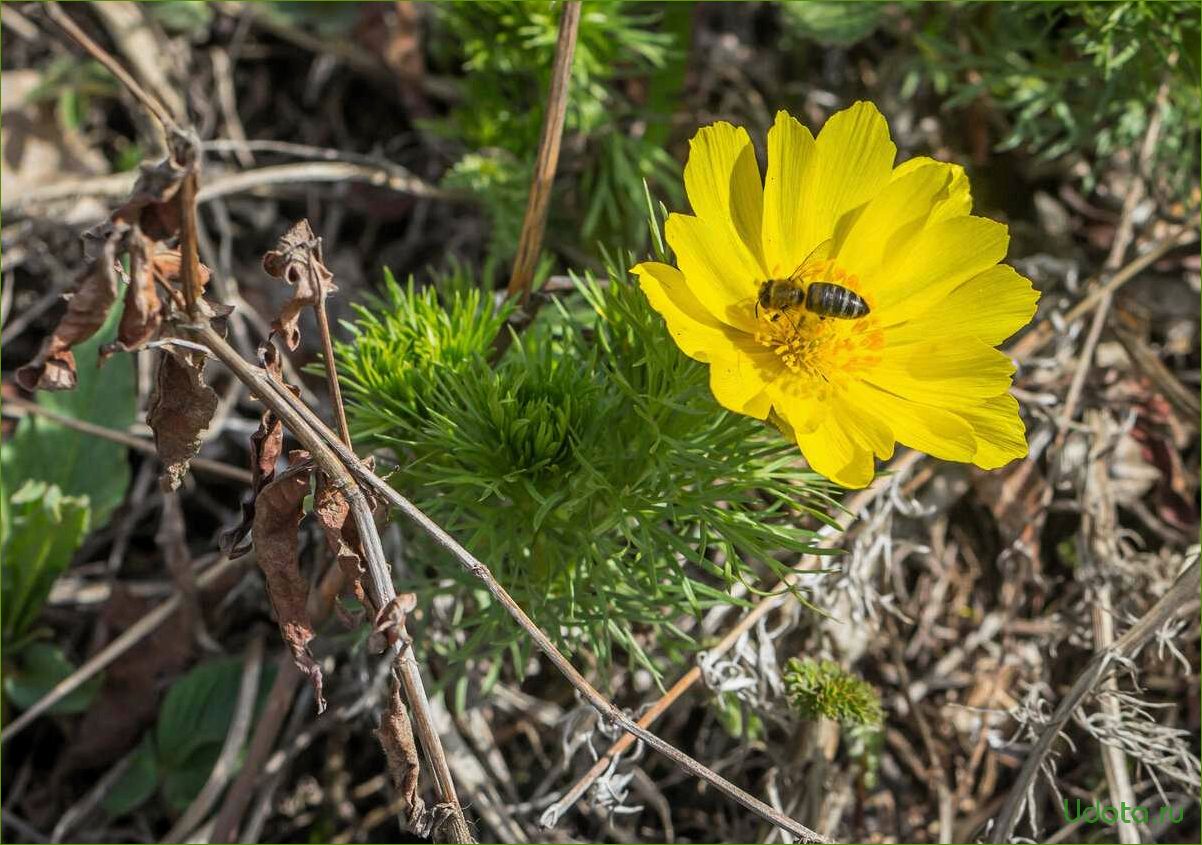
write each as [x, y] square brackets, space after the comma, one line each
[823, 689]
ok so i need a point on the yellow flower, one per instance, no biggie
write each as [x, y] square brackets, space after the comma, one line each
[920, 368]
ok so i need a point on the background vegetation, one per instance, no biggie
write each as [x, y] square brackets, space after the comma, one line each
[588, 463]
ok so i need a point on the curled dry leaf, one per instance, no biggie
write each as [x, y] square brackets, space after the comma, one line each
[342, 537]
[151, 206]
[266, 444]
[54, 366]
[278, 511]
[151, 265]
[404, 767]
[143, 313]
[181, 407]
[297, 260]
[389, 628]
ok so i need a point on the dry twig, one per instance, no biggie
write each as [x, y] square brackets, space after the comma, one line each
[530, 243]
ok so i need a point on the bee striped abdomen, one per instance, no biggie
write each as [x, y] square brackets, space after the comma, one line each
[830, 300]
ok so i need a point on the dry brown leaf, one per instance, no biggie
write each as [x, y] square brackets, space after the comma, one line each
[143, 312]
[266, 444]
[333, 511]
[180, 409]
[297, 260]
[389, 628]
[279, 508]
[151, 206]
[404, 766]
[54, 366]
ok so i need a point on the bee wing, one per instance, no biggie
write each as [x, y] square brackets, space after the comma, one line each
[818, 254]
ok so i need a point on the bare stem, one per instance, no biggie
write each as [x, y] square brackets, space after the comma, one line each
[533, 225]
[331, 368]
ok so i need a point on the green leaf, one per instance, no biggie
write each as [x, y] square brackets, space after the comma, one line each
[186, 17]
[181, 785]
[136, 785]
[44, 528]
[834, 24]
[39, 667]
[197, 710]
[80, 464]
[199, 707]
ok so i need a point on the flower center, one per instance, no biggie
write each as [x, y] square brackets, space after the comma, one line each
[822, 348]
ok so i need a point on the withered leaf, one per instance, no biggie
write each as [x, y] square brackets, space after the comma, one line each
[181, 407]
[151, 206]
[297, 260]
[152, 264]
[278, 512]
[266, 444]
[389, 628]
[95, 292]
[404, 767]
[342, 537]
[143, 312]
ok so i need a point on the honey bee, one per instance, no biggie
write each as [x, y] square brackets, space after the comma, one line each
[825, 299]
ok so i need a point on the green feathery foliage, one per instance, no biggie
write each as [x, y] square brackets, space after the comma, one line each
[1073, 78]
[590, 468]
[822, 688]
[1066, 79]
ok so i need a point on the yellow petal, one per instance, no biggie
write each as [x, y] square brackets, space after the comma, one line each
[740, 368]
[959, 193]
[937, 260]
[991, 305]
[999, 431]
[938, 432]
[852, 162]
[796, 402]
[718, 279]
[947, 371]
[696, 331]
[722, 180]
[891, 219]
[740, 382]
[831, 451]
[790, 150]
[866, 429]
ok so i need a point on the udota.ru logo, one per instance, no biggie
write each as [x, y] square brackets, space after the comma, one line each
[1110, 814]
